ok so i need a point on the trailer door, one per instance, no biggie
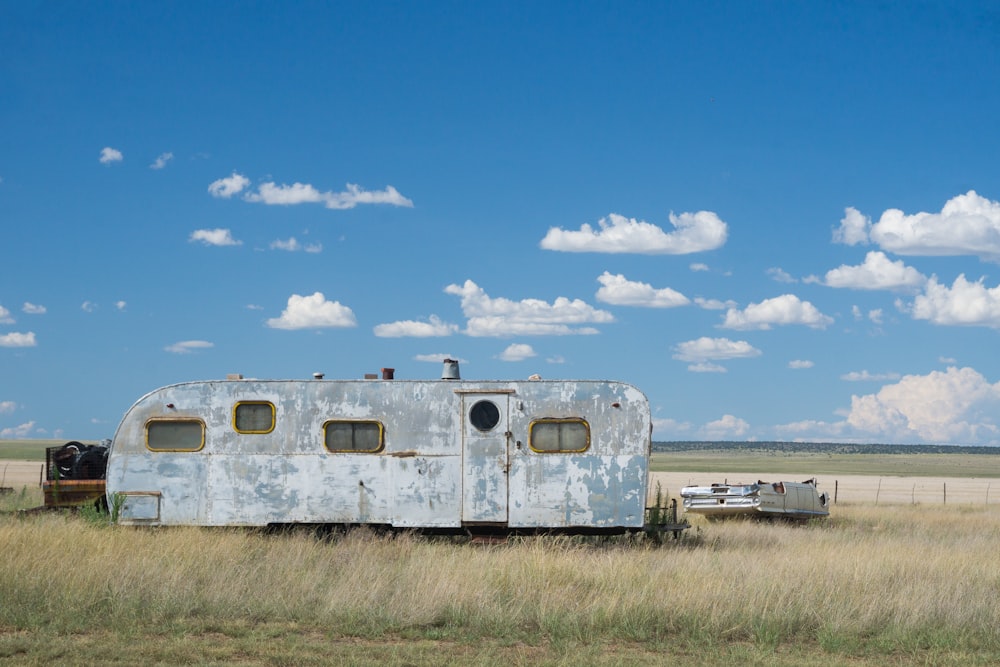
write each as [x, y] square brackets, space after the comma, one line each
[485, 457]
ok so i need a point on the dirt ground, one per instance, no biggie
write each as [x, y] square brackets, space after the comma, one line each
[848, 488]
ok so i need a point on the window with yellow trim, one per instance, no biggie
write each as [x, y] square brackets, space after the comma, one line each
[559, 435]
[253, 417]
[362, 437]
[175, 435]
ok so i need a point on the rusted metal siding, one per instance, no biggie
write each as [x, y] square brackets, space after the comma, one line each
[435, 469]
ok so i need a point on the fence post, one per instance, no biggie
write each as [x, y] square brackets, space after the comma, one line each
[836, 490]
[945, 493]
[878, 490]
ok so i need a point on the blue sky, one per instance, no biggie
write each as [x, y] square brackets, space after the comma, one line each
[780, 220]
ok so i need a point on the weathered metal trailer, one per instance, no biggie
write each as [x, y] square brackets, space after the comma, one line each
[448, 454]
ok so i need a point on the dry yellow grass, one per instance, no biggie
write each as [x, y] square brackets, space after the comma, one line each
[870, 582]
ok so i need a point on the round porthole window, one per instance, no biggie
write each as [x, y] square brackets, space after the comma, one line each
[484, 415]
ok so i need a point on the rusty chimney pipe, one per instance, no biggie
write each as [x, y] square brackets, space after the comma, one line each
[387, 373]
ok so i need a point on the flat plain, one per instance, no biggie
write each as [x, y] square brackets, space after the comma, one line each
[907, 581]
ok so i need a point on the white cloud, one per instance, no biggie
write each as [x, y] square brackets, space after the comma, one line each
[725, 428]
[5, 317]
[216, 237]
[224, 188]
[853, 229]
[189, 346]
[556, 359]
[517, 352]
[707, 367]
[303, 193]
[875, 315]
[410, 328]
[671, 427]
[705, 349]
[694, 232]
[964, 303]
[292, 245]
[30, 309]
[698, 266]
[502, 317]
[865, 376]
[954, 406]
[88, 306]
[784, 309]
[22, 431]
[967, 225]
[313, 312]
[619, 291]
[877, 272]
[161, 161]
[437, 358]
[120, 305]
[780, 275]
[714, 304]
[111, 155]
[799, 364]
[7, 407]
[15, 339]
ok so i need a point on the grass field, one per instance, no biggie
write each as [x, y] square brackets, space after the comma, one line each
[911, 465]
[871, 586]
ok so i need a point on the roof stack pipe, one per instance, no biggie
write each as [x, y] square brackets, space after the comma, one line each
[450, 370]
[387, 373]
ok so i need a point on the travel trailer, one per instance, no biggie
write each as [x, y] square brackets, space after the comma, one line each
[447, 454]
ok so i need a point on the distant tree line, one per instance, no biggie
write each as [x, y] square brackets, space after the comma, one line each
[816, 447]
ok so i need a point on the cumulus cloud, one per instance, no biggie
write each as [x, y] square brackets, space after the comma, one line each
[698, 266]
[784, 309]
[693, 232]
[16, 339]
[7, 407]
[854, 228]
[517, 352]
[5, 317]
[617, 290]
[161, 161]
[216, 237]
[415, 329]
[714, 304]
[292, 245]
[120, 305]
[964, 303]
[799, 364]
[88, 306]
[188, 346]
[224, 188]
[780, 275]
[313, 312]
[487, 316]
[865, 376]
[704, 351]
[21, 431]
[30, 309]
[437, 358]
[968, 224]
[877, 272]
[954, 406]
[111, 155]
[725, 428]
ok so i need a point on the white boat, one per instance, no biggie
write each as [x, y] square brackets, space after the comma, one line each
[790, 500]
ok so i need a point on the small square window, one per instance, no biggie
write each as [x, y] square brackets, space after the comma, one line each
[559, 435]
[175, 435]
[353, 436]
[253, 417]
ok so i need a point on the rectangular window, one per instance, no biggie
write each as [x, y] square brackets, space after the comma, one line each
[253, 417]
[353, 436]
[559, 435]
[175, 435]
